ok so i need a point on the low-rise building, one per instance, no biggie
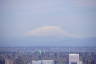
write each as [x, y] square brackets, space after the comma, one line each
[42, 62]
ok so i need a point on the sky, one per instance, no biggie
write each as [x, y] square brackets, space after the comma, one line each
[47, 23]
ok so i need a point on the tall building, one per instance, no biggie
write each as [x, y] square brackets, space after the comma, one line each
[9, 61]
[74, 59]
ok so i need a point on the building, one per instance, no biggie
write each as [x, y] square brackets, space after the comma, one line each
[47, 61]
[42, 62]
[74, 59]
[9, 61]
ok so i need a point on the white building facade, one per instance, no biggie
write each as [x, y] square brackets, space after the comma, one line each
[42, 61]
[74, 59]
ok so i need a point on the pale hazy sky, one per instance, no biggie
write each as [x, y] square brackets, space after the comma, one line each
[47, 22]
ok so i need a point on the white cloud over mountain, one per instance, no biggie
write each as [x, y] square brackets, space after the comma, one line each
[51, 31]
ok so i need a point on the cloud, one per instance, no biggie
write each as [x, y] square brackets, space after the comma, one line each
[50, 31]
